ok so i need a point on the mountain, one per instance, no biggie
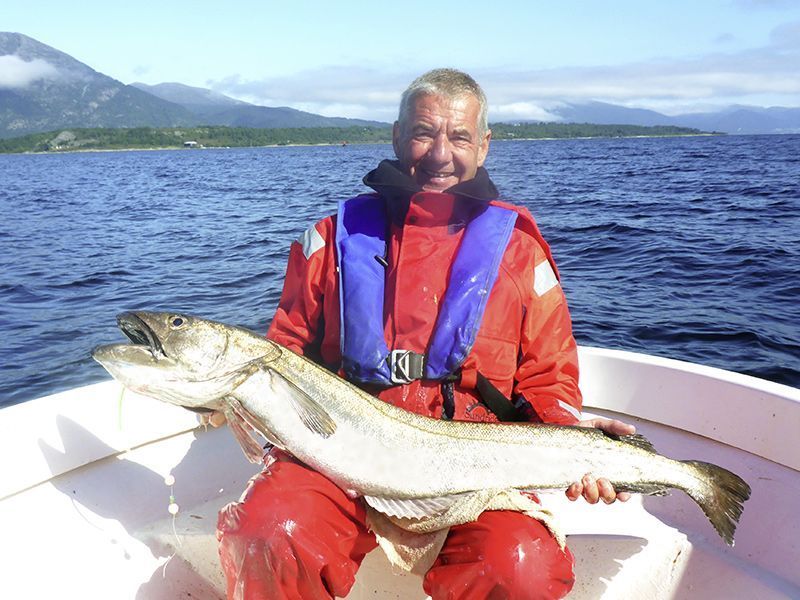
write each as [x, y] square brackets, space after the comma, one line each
[732, 119]
[199, 101]
[44, 89]
[269, 117]
[602, 113]
[214, 108]
[746, 120]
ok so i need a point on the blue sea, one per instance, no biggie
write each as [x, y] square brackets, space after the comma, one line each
[687, 248]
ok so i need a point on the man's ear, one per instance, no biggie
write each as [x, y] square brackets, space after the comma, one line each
[483, 150]
[396, 145]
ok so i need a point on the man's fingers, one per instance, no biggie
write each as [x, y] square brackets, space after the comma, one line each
[609, 426]
[593, 490]
[606, 490]
[621, 428]
[616, 427]
[574, 491]
[590, 491]
[215, 419]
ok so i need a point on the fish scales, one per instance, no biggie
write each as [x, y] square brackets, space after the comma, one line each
[373, 449]
[413, 455]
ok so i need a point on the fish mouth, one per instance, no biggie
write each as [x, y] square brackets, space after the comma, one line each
[140, 333]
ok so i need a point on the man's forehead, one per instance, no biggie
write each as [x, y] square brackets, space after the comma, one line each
[459, 102]
[462, 109]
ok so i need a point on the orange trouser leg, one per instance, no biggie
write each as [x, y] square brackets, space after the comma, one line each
[295, 536]
[503, 555]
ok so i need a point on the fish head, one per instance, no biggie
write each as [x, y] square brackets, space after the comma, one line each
[183, 360]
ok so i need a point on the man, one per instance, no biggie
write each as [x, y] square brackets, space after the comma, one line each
[436, 297]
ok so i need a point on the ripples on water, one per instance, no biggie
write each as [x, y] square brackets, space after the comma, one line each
[687, 247]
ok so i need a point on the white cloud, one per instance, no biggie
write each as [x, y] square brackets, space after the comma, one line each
[140, 70]
[786, 36]
[524, 111]
[725, 38]
[763, 4]
[769, 74]
[354, 111]
[18, 73]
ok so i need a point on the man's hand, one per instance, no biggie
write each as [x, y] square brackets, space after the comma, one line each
[215, 419]
[595, 489]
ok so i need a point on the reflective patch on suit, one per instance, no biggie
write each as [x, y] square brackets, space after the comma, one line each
[570, 409]
[544, 279]
[311, 241]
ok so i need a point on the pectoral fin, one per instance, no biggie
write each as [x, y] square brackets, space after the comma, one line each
[223, 385]
[313, 416]
[245, 436]
[253, 422]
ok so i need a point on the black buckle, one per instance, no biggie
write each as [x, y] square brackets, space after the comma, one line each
[405, 366]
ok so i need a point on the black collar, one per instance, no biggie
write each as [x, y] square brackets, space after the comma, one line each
[397, 187]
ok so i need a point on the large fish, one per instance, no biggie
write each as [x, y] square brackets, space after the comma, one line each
[403, 464]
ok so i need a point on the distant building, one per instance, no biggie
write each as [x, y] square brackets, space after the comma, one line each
[190, 144]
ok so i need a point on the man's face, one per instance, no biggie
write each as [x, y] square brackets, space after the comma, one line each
[439, 145]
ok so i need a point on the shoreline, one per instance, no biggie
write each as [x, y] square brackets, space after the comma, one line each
[176, 148]
[323, 144]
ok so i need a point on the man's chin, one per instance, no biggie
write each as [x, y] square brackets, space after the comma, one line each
[437, 184]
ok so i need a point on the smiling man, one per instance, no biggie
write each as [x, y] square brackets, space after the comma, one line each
[441, 140]
[437, 297]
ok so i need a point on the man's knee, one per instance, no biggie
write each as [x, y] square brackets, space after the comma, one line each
[265, 511]
[501, 555]
[294, 535]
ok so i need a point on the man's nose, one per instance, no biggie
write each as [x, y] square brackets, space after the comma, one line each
[441, 150]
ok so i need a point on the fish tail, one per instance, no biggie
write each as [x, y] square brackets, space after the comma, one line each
[720, 495]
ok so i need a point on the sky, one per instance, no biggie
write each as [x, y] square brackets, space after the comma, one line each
[354, 58]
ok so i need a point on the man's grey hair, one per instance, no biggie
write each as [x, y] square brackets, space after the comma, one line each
[449, 83]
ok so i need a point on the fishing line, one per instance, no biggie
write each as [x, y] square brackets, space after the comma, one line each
[173, 510]
[119, 408]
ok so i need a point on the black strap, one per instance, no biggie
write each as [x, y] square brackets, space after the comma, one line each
[448, 400]
[494, 399]
[406, 366]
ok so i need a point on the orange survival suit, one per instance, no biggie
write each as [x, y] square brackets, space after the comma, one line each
[295, 534]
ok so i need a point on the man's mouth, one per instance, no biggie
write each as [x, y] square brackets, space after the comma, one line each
[438, 174]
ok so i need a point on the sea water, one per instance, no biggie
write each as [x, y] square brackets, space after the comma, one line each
[687, 248]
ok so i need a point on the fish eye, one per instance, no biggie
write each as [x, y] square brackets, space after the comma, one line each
[176, 322]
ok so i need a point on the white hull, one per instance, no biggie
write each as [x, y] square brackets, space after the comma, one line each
[83, 503]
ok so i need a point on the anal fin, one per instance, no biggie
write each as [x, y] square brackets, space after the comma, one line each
[413, 508]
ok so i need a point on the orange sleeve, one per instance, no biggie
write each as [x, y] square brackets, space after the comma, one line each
[298, 320]
[547, 374]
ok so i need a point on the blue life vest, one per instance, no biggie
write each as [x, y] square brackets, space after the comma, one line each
[361, 232]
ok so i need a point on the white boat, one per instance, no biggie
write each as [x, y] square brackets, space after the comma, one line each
[84, 503]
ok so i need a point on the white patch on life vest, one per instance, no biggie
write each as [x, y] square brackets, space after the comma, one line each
[570, 409]
[311, 241]
[544, 279]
